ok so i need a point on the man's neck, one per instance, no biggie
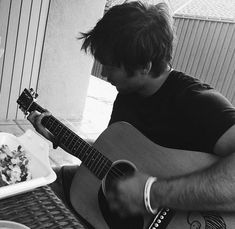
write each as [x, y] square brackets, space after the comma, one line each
[154, 84]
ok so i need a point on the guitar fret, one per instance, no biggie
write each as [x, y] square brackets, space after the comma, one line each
[73, 142]
[101, 168]
[54, 125]
[96, 166]
[58, 130]
[85, 155]
[70, 139]
[50, 123]
[64, 137]
[80, 150]
[88, 156]
[75, 148]
[93, 158]
[89, 153]
[84, 150]
[106, 168]
[98, 163]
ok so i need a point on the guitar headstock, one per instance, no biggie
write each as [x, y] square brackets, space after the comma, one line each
[26, 99]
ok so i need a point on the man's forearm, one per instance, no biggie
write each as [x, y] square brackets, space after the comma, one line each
[210, 189]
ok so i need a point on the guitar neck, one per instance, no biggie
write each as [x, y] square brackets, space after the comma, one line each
[97, 163]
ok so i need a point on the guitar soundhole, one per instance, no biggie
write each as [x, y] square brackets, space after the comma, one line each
[119, 169]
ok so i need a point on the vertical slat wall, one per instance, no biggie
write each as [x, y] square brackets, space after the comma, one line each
[22, 28]
[206, 49]
[97, 69]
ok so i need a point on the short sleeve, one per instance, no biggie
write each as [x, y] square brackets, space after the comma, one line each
[213, 114]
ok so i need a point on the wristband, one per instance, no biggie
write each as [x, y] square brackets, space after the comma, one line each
[147, 189]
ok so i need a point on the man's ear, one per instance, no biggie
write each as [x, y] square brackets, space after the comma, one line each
[147, 68]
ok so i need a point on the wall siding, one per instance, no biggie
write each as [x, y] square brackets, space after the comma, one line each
[205, 49]
[22, 27]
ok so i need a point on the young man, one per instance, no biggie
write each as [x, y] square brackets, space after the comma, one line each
[134, 43]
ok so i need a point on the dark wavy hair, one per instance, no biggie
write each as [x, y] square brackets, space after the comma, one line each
[132, 34]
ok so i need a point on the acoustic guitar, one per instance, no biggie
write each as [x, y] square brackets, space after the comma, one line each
[120, 150]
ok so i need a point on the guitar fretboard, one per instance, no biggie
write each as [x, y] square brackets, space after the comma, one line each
[97, 163]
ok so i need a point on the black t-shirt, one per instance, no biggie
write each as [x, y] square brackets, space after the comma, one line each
[183, 114]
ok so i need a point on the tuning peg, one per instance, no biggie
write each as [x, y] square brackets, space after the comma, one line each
[33, 93]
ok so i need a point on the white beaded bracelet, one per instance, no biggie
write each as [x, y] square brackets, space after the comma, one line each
[147, 189]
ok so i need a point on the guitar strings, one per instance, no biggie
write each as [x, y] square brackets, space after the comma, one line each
[114, 172]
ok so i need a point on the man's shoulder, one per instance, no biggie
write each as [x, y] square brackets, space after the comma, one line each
[188, 80]
[186, 84]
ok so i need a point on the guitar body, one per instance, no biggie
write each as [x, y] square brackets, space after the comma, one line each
[121, 141]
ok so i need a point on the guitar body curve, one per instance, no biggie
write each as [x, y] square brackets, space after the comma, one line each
[85, 187]
[121, 141]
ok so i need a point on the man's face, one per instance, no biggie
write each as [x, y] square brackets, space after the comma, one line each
[124, 83]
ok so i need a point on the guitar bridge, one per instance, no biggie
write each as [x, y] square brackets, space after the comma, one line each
[162, 218]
